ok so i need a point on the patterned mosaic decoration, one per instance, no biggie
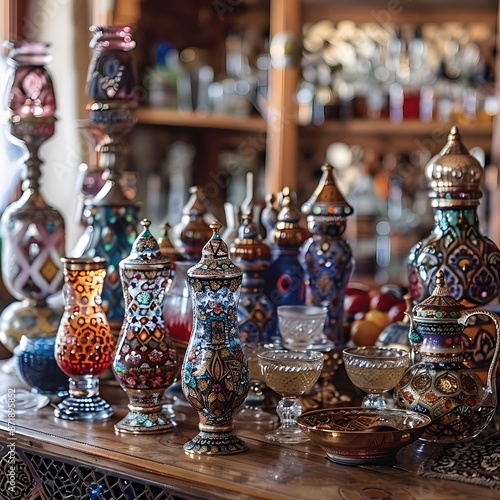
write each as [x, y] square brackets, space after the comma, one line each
[85, 345]
[326, 257]
[112, 217]
[215, 371]
[256, 312]
[39, 477]
[145, 363]
[469, 260]
[33, 233]
[441, 386]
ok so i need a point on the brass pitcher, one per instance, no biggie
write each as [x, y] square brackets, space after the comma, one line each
[460, 402]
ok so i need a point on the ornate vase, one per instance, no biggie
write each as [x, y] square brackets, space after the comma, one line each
[326, 256]
[256, 313]
[469, 260]
[285, 277]
[112, 217]
[85, 345]
[215, 371]
[33, 233]
[459, 402]
[145, 362]
[37, 367]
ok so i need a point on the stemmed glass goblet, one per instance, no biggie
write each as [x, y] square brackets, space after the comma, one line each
[253, 409]
[375, 370]
[290, 374]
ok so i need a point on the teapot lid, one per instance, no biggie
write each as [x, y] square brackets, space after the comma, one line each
[145, 252]
[440, 305]
[215, 262]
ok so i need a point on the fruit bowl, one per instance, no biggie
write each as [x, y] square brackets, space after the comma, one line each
[355, 436]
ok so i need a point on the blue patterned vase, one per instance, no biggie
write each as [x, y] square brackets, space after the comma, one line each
[256, 312]
[469, 260]
[215, 371]
[285, 278]
[326, 256]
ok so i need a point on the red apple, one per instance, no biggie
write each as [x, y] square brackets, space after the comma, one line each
[397, 312]
[359, 303]
[383, 301]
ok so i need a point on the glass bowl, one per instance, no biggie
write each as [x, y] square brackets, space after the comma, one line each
[301, 326]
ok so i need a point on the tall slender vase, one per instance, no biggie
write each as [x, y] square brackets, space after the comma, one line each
[146, 362]
[33, 232]
[85, 345]
[112, 217]
[326, 256]
[256, 312]
[215, 370]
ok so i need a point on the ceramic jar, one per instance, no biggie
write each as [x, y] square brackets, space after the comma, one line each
[145, 362]
[214, 373]
[326, 256]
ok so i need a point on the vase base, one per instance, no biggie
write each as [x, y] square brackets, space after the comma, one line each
[145, 423]
[215, 443]
[94, 408]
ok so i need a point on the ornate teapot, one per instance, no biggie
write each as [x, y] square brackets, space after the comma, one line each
[461, 401]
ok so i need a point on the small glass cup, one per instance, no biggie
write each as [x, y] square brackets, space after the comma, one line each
[301, 326]
[290, 374]
[375, 370]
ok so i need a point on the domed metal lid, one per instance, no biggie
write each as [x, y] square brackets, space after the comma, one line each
[249, 246]
[326, 199]
[288, 231]
[145, 252]
[454, 176]
[440, 305]
[166, 246]
[215, 262]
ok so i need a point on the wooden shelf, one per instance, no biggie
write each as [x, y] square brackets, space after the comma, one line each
[161, 116]
[406, 136]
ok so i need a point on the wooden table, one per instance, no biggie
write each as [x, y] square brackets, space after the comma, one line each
[81, 453]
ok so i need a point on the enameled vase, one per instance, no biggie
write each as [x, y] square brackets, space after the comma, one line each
[326, 256]
[146, 362]
[285, 277]
[456, 246]
[214, 373]
[111, 215]
[85, 346]
[256, 313]
[460, 402]
[33, 232]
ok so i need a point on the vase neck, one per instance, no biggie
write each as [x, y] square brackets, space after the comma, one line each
[462, 218]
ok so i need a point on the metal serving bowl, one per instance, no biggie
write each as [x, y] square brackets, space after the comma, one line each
[358, 435]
